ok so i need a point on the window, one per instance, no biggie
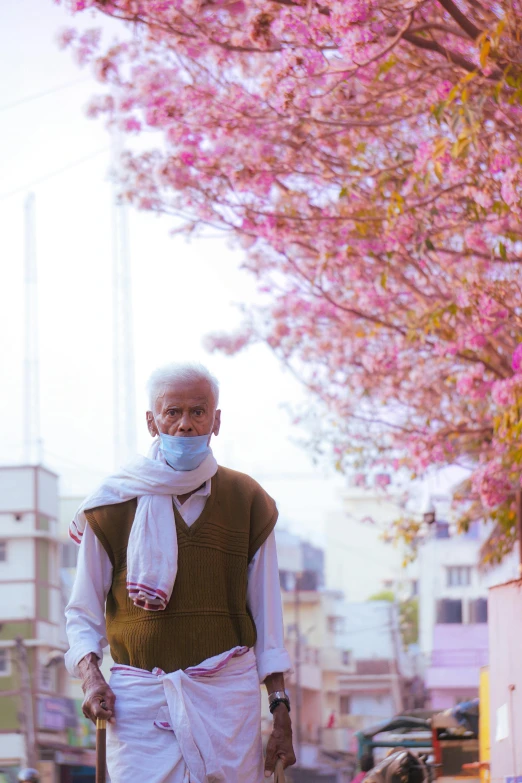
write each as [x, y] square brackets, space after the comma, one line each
[345, 705]
[47, 678]
[3, 551]
[346, 657]
[458, 576]
[478, 610]
[449, 611]
[5, 663]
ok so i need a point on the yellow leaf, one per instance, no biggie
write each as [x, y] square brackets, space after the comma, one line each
[438, 171]
[484, 52]
[453, 93]
[439, 147]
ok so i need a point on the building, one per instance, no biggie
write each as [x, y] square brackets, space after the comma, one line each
[359, 562]
[314, 622]
[373, 691]
[296, 556]
[349, 667]
[39, 723]
[453, 610]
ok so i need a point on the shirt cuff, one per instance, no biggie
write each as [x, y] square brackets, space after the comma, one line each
[275, 661]
[74, 655]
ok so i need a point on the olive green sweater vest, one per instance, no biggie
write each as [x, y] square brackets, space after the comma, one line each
[207, 613]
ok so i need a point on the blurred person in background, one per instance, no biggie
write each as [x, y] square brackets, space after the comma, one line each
[29, 775]
[178, 572]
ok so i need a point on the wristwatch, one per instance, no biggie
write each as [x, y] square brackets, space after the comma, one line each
[276, 698]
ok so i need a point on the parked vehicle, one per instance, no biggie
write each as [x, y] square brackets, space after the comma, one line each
[445, 741]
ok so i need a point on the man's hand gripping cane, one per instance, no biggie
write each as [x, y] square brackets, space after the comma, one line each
[99, 699]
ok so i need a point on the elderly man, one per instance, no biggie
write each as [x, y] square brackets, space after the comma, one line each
[177, 571]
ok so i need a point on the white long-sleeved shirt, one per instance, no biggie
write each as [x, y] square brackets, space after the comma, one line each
[85, 612]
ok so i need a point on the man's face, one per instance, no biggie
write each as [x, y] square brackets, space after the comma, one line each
[184, 409]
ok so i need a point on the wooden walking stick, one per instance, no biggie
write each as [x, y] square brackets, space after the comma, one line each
[101, 750]
[279, 774]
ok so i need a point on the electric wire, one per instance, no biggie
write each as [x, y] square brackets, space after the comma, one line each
[51, 91]
[55, 173]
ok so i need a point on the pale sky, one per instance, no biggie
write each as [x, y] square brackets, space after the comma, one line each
[180, 291]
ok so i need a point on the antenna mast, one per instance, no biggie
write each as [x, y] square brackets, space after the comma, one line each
[124, 394]
[32, 437]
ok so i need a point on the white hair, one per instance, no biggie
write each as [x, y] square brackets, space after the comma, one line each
[180, 371]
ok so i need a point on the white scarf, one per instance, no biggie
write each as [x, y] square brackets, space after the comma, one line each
[152, 551]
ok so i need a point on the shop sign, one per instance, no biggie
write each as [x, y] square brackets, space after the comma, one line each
[55, 713]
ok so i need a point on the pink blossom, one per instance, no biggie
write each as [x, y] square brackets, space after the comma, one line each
[503, 392]
[500, 163]
[423, 155]
[65, 37]
[509, 186]
[383, 245]
[131, 125]
[516, 360]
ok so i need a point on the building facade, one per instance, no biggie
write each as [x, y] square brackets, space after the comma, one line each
[359, 562]
[40, 725]
[348, 666]
[453, 611]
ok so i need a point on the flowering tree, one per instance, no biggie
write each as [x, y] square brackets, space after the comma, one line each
[367, 156]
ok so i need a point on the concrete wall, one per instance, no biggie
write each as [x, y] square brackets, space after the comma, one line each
[358, 561]
[505, 673]
[17, 489]
[47, 494]
[459, 651]
[372, 706]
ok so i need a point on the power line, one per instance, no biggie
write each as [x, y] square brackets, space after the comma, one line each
[43, 94]
[55, 173]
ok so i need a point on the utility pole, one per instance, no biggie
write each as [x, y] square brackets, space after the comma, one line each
[298, 693]
[396, 642]
[124, 393]
[26, 698]
[32, 439]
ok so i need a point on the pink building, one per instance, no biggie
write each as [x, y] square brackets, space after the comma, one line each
[453, 671]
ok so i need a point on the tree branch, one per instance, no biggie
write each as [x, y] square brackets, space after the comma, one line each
[461, 19]
[457, 59]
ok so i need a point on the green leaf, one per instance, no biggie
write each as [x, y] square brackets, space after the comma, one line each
[502, 251]
[343, 192]
[429, 244]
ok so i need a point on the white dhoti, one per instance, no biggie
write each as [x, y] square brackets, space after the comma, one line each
[201, 725]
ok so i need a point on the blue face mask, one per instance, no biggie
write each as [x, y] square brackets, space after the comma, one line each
[184, 453]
